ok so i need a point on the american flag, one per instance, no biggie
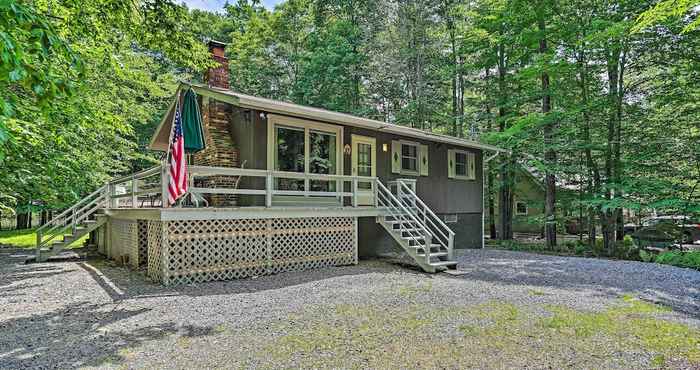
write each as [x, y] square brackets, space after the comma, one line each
[177, 185]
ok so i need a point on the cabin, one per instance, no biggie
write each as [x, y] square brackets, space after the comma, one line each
[281, 187]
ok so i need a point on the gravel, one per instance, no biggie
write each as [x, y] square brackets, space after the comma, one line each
[94, 314]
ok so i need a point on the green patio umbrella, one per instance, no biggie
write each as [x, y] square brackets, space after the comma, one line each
[192, 123]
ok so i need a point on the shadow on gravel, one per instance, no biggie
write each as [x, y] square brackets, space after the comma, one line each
[123, 283]
[658, 284]
[78, 336]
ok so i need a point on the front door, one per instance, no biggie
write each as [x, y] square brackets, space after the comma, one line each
[364, 163]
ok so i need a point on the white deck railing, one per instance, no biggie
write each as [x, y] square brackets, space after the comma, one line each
[148, 188]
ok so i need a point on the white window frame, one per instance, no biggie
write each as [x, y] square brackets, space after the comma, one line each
[274, 120]
[418, 164]
[467, 155]
[515, 204]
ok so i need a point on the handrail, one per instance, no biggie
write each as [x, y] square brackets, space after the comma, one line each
[137, 176]
[228, 171]
[436, 222]
[80, 202]
[381, 189]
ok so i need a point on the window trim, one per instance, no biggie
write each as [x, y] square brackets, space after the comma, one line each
[418, 164]
[273, 121]
[467, 154]
[515, 205]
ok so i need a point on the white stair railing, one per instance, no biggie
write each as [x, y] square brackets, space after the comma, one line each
[442, 234]
[69, 219]
[397, 210]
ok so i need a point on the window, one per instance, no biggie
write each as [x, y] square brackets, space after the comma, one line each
[322, 159]
[364, 164]
[409, 157]
[303, 147]
[290, 156]
[461, 164]
[521, 208]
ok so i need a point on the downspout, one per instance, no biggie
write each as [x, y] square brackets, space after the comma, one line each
[483, 192]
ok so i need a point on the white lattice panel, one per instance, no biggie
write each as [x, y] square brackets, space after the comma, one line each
[306, 243]
[156, 266]
[143, 242]
[124, 240]
[195, 251]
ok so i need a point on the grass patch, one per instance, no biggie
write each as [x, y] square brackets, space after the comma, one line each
[630, 334]
[27, 238]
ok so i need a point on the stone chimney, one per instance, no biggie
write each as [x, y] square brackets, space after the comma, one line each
[217, 116]
[218, 76]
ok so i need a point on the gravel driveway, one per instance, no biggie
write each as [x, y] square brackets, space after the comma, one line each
[508, 310]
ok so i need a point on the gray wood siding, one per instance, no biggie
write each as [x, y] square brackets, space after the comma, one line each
[442, 194]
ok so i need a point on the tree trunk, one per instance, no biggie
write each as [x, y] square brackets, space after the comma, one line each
[490, 177]
[608, 219]
[550, 155]
[505, 198]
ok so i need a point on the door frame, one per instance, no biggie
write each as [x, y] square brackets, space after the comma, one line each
[364, 196]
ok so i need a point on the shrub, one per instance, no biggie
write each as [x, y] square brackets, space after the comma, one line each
[691, 260]
[646, 256]
[673, 258]
[680, 259]
[580, 249]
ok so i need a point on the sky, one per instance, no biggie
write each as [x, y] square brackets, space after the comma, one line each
[215, 5]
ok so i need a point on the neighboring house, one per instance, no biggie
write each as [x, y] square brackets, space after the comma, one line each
[528, 202]
[287, 187]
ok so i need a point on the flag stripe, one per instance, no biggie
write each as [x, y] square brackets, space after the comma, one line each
[177, 183]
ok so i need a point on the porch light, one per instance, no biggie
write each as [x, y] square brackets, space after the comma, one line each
[385, 147]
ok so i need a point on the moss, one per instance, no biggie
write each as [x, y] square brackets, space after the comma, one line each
[534, 292]
[481, 335]
[411, 291]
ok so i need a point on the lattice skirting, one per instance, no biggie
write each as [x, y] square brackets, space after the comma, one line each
[123, 241]
[143, 242]
[195, 251]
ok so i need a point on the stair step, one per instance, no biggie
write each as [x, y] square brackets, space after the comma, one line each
[409, 230]
[443, 263]
[438, 246]
[394, 222]
[437, 254]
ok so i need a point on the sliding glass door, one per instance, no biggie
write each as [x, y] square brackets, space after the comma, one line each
[305, 147]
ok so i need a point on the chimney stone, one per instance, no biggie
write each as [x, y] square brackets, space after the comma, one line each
[218, 76]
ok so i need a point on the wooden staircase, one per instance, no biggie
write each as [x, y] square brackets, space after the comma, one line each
[72, 224]
[414, 226]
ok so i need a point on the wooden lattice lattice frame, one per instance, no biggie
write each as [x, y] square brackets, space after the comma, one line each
[143, 242]
[195, 251]
[124, 240]
[156, 266]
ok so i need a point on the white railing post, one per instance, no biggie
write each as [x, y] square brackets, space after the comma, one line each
[354, 192]
[268, 189]
[134, 190]
[428, 245]
[108, 198]
[164, 185]
[376, 192]
[73, 224]
[451, 246]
